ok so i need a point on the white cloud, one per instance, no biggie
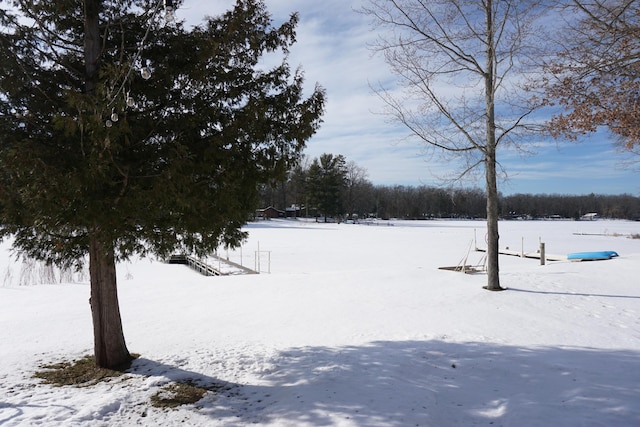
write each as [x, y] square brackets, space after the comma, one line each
[332, 48]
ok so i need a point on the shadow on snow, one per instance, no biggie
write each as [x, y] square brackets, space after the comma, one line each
[429, 383]
[578, 294]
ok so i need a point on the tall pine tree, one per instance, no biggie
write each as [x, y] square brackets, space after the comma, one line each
[325, 183]
[97, 160]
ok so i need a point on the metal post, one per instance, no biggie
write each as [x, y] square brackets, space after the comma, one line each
[542, 254]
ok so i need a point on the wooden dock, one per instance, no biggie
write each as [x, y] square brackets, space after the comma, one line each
[533, 255]
[206, 269]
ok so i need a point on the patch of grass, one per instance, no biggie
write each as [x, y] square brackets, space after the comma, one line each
[84, 373]
[80, 373]
[177, 394]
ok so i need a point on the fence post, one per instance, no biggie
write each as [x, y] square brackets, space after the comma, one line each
[542, 254]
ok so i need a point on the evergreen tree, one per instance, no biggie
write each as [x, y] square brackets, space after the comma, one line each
[325, 183]
[97, 160]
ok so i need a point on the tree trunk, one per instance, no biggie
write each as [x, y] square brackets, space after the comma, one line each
[92, 44]
[493, 276]
[109, 346]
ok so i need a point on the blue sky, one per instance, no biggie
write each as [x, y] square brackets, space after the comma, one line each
[332, 49]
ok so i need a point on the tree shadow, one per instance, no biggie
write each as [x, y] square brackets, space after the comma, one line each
[391, 383]
[9, 411]
[230, 394]
[579, 294]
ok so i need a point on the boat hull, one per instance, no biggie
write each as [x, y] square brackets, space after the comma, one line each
[592, 256]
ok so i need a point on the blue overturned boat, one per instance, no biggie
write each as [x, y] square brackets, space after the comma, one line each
[592, 256]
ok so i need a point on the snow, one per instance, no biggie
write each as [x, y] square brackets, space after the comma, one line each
[355, 325]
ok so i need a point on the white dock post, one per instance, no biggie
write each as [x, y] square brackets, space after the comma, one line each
[475, 240]
[258, 259]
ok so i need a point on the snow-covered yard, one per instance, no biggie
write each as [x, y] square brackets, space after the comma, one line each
[355, 326]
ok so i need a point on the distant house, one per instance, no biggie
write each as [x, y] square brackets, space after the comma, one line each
[294, 211]
[554, 217]
[270, 212]
[589, 217]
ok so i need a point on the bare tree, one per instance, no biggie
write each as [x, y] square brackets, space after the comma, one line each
[355, 182]
[462, 65]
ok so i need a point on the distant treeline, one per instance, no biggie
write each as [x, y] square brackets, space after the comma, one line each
[424, 202]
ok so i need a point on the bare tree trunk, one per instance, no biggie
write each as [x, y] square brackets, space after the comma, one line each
[493, 276]
[110, 348]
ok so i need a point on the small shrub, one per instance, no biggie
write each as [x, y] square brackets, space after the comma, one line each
[635, 236]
